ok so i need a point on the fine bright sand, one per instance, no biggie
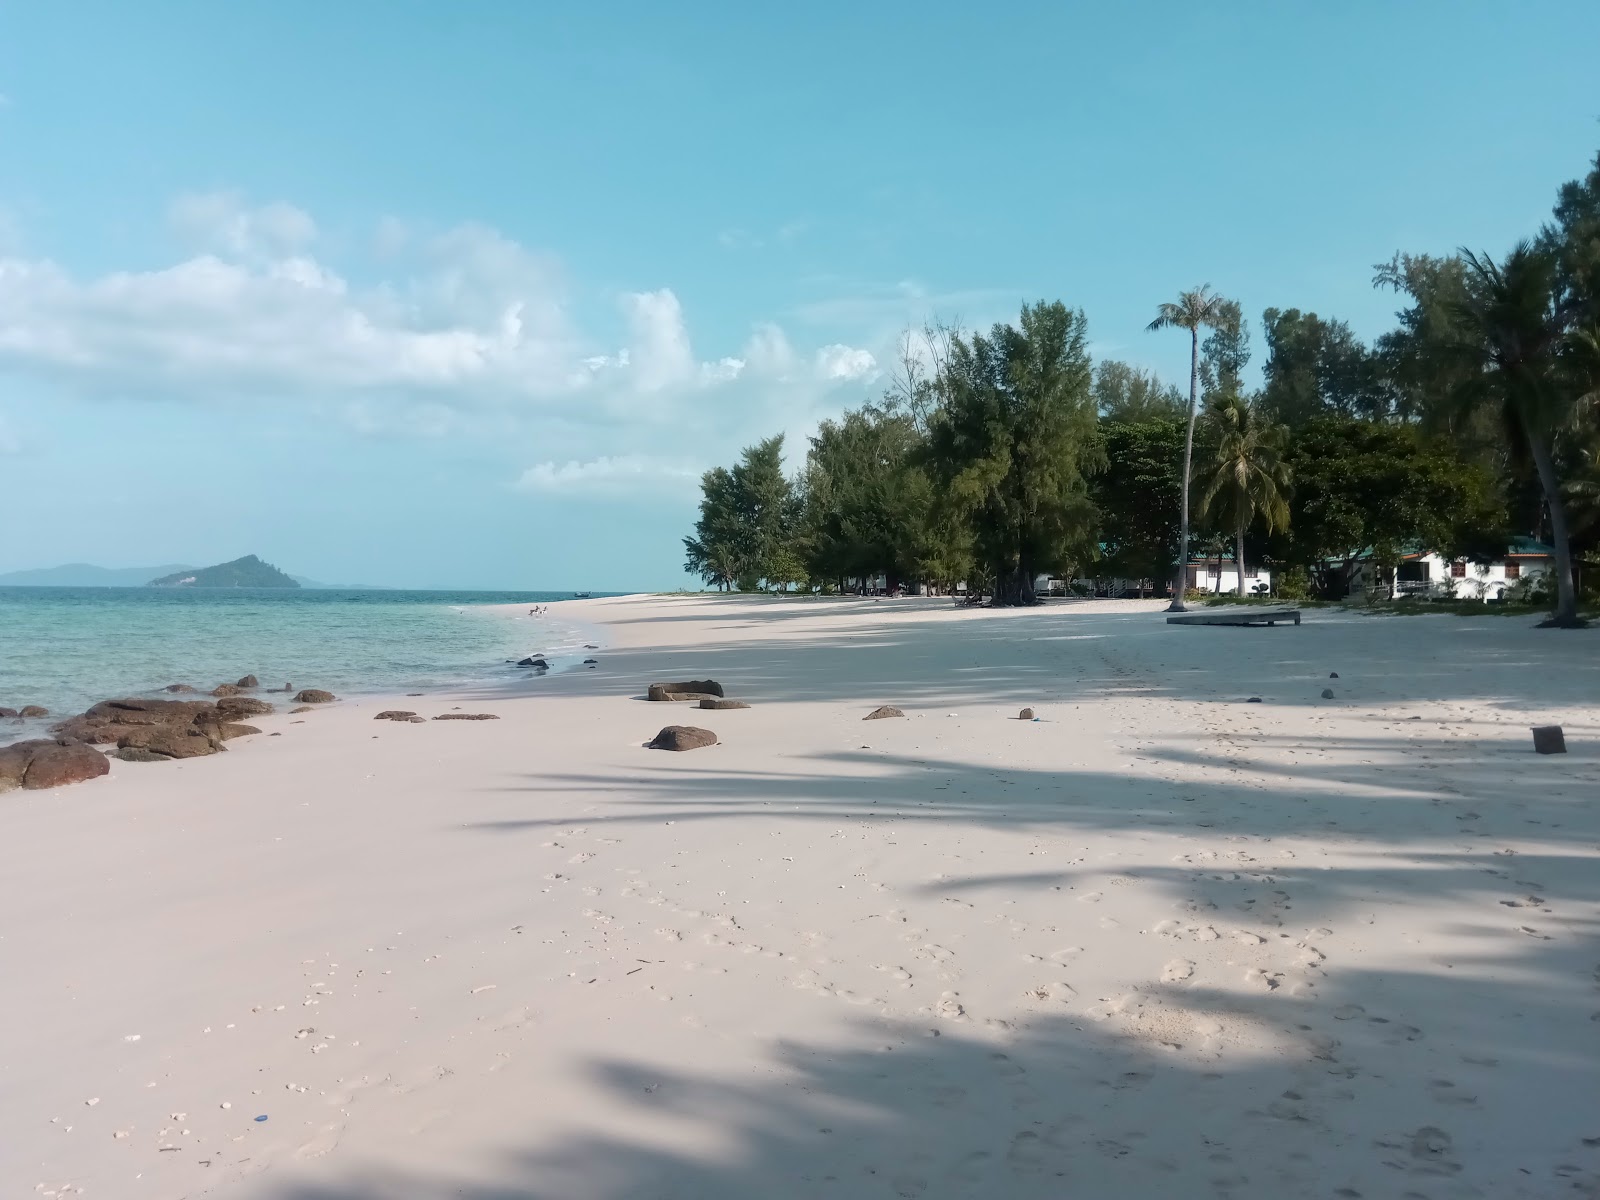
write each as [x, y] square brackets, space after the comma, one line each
[1160, 943]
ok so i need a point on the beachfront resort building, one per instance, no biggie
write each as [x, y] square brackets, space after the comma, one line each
[1222, 575]
[1426, 573]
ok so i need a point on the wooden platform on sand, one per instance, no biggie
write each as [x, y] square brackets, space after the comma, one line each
[1241, 614]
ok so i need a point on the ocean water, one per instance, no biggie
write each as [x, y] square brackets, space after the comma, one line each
[66, 648]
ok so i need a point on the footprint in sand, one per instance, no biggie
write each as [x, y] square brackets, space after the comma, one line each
[671, 935]
[1177, 971]
[1055, 990]
[1064, 955]
[950, 1007]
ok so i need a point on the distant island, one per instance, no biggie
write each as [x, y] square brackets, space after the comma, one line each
[248, 571]
[72, 575]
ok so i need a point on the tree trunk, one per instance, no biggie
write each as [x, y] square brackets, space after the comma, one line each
[1238, 557]
[1177, 604]
[1566, 614]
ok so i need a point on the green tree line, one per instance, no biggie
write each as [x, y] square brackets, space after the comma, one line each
[997, 457]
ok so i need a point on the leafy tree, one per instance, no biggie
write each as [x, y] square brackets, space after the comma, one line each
[1420, 385]
[1316, 367]
[716, 552]
[1224, 355]
[1511, 338]
[1137, 495]
[1010, 444]
[1247, 478]
[1127, 393]
[1194, 310]
[747, 518]
[868, 498]
[1366, 488]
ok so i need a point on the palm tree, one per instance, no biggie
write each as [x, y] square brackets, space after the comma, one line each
[1512, 339]
[1247, 477]
[1201, 308]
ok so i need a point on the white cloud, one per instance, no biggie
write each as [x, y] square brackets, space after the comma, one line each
[768, 353]
[621, 474]
[457, 333]
[221, 222]
[659, 351]
[845, 362]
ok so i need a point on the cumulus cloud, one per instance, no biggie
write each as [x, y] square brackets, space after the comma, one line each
[621, 474]
[222, 222]
[424, 333]
[845, 362]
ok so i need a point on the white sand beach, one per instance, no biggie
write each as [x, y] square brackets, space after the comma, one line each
[1161, 942]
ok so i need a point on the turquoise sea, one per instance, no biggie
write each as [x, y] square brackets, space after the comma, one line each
[65, 648]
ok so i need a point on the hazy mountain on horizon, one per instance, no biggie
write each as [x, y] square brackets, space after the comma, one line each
[88, 575]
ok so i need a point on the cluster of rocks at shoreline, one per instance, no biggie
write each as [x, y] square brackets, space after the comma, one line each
[141, 729]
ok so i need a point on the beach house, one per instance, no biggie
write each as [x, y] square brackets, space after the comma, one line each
[1427, 573]
[1216, 574]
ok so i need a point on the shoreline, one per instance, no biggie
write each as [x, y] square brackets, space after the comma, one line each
[563, 657]
[941, 955]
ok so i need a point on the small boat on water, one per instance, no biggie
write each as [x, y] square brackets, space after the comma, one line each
[583, 595]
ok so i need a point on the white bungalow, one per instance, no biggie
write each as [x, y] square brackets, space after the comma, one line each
[1427, 573]
[1222, 575]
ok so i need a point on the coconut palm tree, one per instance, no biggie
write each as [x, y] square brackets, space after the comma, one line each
[1247, 478]
[1194, 310]
[1513, 339]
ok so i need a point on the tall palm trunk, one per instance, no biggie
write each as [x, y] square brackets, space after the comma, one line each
[1238, 555]
[1566, 614]
[1177, 604]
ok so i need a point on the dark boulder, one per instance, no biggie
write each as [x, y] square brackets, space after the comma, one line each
[682, 737]
[394, 714]
[314, 696]
[453, 716]
[1025, 715]
[714, 703]
[8, 712]
[689, 689]
[49, 762]
[177, 687]
[232, 729]
[108, 721]
[249, 681]
[534, 661]
[138, 754]
[886, 710]
[33, 711]
[173, 741]
[225, 689]
[1327, 693]
[243, 706]
[301, 709]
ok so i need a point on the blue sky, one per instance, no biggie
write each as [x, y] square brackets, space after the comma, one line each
[467, 295]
